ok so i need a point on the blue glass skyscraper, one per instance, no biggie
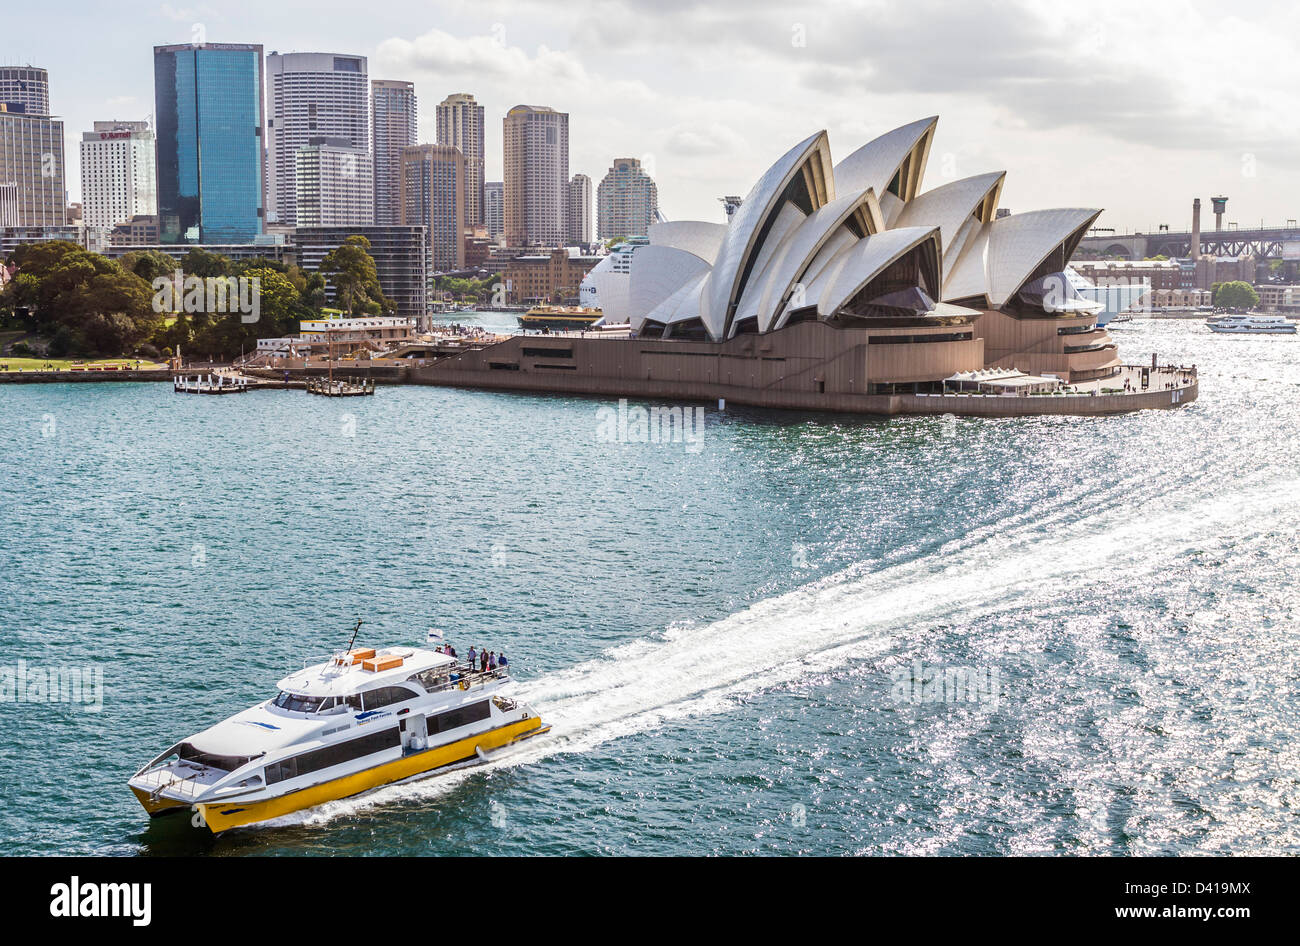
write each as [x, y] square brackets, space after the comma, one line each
[209, 121]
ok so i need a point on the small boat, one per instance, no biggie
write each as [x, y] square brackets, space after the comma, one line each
[1251, 325]
[362, 719]
[559, 318]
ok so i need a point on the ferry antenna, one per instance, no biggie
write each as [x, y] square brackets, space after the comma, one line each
[354, 635]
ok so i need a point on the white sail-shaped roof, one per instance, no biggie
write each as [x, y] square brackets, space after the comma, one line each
[1020, 242]
[682, 306]
[693, 236]
[788, 222]
[792, 244]
[811, 159]
[657, 273]
[765, 294]
[901, 152]
[968, 277]
[950, 206]
[1008, 250]
[859, 263]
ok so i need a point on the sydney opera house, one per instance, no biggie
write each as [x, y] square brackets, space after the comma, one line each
[840, 286]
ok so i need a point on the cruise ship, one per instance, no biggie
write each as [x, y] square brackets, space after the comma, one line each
[361, 719]
[1251, 325]
[1119, 299]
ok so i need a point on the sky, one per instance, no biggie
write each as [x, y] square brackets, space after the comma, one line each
[1132, 107]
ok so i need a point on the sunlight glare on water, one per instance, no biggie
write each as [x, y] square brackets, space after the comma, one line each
[715, 636]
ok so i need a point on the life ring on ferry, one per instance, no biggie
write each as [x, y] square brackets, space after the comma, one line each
[464, 684]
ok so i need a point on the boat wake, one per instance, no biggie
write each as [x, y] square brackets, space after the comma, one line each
[861, 613]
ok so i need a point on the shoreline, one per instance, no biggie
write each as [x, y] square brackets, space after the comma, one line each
[962, 405]
[64, 374]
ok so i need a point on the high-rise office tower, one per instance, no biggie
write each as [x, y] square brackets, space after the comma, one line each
[118, 173]
[536, 152]
[334, 184]
[460, 123]
[627, 200]
[393, 112]
[493, 207]
[433, 196]
[32, 188]
[32, 182]
[310, 95]
[578, 210]
[209, 123]
[25, 89]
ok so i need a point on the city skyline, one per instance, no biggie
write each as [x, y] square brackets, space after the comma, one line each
[1129, 120]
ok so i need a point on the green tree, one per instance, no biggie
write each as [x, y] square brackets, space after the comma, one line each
[82, 301]
[19, 300]
[199, 262]
[39, 258]
[149, 264]
[1235, 295]
[351, 268]
[280, 305]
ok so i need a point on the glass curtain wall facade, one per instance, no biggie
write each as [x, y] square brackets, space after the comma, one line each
[208, 112]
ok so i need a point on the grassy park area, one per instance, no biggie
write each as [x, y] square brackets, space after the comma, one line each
[64, 364]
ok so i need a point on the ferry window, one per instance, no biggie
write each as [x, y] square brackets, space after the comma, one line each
[386, 696]
[226, 763]
[462, 716]
[333, 755]
[297, 703]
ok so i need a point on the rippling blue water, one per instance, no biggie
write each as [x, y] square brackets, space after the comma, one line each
[717, 635]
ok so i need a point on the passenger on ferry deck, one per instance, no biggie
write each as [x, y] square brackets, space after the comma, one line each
[473, 657]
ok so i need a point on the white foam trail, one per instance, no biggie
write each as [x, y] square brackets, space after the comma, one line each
[859, 613]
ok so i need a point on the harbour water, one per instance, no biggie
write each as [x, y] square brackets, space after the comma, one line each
[732, 639]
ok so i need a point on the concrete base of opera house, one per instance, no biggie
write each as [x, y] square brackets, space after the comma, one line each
[808, 366]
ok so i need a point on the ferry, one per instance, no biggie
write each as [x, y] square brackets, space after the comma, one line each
[1252, 325]
[363, 718]
[559, 318]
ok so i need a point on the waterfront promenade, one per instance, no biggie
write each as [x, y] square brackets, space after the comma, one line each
[1166, 386]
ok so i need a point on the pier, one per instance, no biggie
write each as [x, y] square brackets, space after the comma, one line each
[216, 383]
[349, 387]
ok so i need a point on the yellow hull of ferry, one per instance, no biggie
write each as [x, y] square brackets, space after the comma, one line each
[156, 806]
[222, 816]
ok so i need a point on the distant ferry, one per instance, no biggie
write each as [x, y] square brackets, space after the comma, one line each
[1252, 325]
[362, 719]
[559, 318]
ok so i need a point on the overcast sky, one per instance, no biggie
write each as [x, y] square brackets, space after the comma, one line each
[1134, 107]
